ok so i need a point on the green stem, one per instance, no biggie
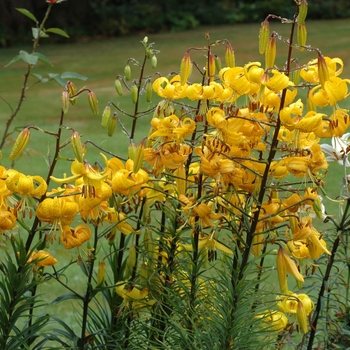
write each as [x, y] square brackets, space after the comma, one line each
[316, 314]
[25, 82]
[89, 288]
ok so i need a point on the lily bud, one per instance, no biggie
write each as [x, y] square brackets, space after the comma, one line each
[309, 104]
[101, 272]
[93, 103]
[154, 61]
[134, 93]
[77, 146]
[296, 76]
[138, 161]
[118, 87]
[301, 35]
[72, 90]
[270, 54]
[185, 68]
[282, 271]
[301, 317]
[112, 124]
[148, 53]
[180, 180]
[229, 56]
[149, 91]
[218, 64]
[302, 11]
[323, 73]
[264, 34]
[106, 116]
[211, 67]
[132, 152]
[145, 212]
[20, 144]
[65, 101]
[127, 72]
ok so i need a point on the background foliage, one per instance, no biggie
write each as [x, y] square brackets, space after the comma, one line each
[115, 18]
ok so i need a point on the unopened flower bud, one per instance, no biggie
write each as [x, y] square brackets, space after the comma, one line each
[134, 93]
[20, 144]
[148, 53]
[118, 87]
[132, 151]
[127, 72]
[101, 272]
[138, 160]
[180, 180]
[264, 34]
[229, 56]
[77, 146]
[281, 271]
[317, 207]
[185, 68]
[65, 101]
[302, 11]
[301, 35]
[211, 67]
[270, 54]
[149, 91]
[296, 76]
[106, 116]
[72, 90]
[323, 72]
[93, 103]
[112, 124]
[218, 64]
[154, 61]
[301, 317]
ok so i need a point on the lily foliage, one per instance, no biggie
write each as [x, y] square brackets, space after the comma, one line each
[209, 235]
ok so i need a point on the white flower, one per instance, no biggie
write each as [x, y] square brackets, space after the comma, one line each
[339, 150]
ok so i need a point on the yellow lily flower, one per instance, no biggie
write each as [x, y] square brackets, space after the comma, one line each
[7, 220]
[335, 89]
[277, 82]
[91, 178]
[42, 258]
[75, 237]
[277, 320]
[168, 155]
[310, 72]
[170, 89]
[58, 211]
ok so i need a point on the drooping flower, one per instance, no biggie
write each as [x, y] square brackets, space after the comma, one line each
[75, 237]
[26, 186]
[42, 258]
[276, 320]
[90, 177]
[170, 89]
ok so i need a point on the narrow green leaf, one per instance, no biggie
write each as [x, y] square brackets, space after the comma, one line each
[67, 296]
[27, 13]
[72, 75]
[42, 58]
[57, 31]
[15, 59]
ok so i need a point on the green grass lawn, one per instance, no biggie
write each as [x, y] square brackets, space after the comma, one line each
[101, 61]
